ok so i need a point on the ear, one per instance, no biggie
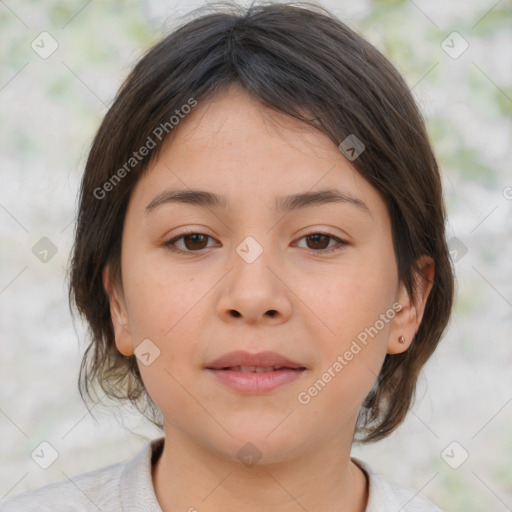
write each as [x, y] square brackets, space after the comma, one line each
[118, 314]
[408, 319]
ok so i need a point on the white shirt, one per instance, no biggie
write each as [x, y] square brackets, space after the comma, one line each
[128, 486]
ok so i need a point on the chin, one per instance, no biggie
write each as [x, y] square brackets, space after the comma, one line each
[261, 443]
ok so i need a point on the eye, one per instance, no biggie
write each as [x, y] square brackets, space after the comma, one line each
[194, 242]
[318, 242]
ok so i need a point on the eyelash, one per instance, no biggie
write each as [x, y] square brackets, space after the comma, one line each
[170, 244]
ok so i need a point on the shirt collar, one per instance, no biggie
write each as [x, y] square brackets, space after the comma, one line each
[138, 493]
[137, 490]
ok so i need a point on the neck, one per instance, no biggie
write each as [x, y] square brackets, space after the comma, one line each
[189, 477]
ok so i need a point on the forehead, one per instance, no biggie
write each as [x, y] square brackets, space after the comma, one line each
[236, 147]
[220, 119]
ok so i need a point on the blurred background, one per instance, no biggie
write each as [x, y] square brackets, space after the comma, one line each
[61, 64]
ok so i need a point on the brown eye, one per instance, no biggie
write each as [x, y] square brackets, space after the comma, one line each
[319, 242]
[196, 241]
[192, 242]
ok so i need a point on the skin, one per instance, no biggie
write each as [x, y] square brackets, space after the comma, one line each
[197, 306]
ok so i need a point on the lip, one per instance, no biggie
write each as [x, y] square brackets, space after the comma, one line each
[226, 370]
[256, 383]
[260, 359]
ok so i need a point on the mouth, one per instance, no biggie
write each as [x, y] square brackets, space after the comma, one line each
[255, 374]
[250, 362]
[257, 369]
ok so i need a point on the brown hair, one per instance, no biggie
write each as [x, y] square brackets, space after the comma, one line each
[298, 59]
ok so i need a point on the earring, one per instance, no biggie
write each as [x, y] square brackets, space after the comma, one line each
[401, 339]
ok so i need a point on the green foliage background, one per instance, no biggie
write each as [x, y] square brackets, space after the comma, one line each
[50, 109]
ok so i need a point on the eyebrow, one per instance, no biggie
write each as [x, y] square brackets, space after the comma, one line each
[284, 203]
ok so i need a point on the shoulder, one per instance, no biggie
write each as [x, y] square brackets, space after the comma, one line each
[388, 496]
[87, 491]
[120, 486]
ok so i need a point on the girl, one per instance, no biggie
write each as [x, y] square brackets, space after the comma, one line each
[261, 258]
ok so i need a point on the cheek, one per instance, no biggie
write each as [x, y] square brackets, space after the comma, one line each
[355, 310]
[169, 312]
[349, 299]
[172, 311]
[161, 299]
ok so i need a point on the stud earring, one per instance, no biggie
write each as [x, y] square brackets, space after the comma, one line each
[401, 339]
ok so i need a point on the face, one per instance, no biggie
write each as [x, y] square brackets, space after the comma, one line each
[312, 281]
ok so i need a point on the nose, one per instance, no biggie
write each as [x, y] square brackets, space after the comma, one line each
[255, 291]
